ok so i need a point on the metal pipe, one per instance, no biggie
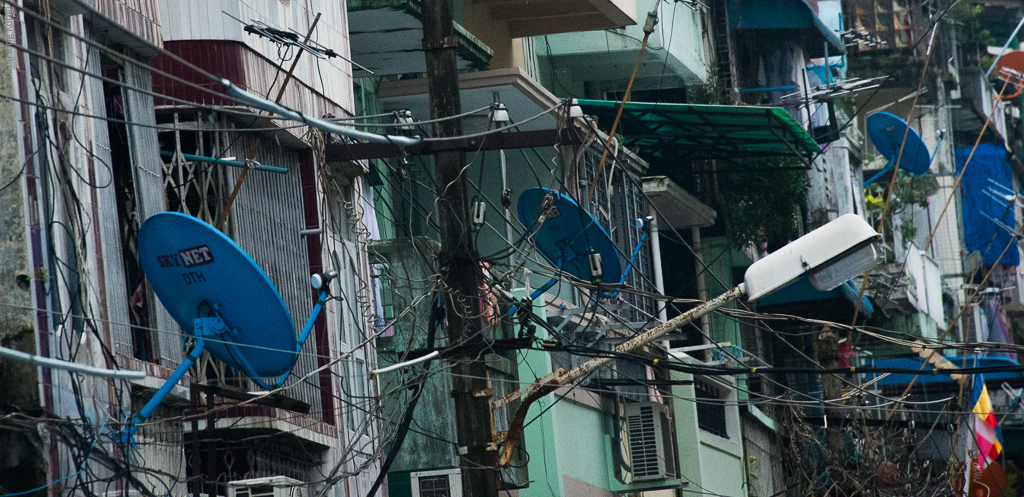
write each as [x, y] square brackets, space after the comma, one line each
[159, 396]
[659, 278]
[1003, 51]
[72, 366]
[770, 88]
[225, 162]
[305, 331]
[400, 365]
[560, 378]
[329, 127]
[702, 289]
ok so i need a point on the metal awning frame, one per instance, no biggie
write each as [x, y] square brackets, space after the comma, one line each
[761, 132]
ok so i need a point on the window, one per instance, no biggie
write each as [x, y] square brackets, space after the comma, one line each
[435, 486]
[439, 483]
[191, 187]
[710, 409]
[355, 414]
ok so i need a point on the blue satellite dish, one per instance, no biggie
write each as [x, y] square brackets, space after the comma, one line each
[191, 266]
[567, 234]
[886, 132]
[218, 294]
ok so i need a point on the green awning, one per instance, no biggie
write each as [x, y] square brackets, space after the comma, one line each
[707, 131]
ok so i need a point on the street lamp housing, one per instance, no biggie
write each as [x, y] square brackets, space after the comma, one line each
[828, 256]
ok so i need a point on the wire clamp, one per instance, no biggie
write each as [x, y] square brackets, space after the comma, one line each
[446, 42]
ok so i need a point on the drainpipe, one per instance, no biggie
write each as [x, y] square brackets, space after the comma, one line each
[659, 278]
[702, 290]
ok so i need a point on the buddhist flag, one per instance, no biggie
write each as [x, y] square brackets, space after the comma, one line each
[986, 428]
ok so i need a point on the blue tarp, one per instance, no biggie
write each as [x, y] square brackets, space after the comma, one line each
[988, 169]
[958, 361]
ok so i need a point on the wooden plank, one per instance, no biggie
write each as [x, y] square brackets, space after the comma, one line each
[498, 141]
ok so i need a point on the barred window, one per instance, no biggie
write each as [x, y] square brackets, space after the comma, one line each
[710, 409]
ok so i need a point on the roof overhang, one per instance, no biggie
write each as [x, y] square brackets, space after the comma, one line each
[708, 131]
[676, 207]
[523, 96]
[794, 18]
[545, 17]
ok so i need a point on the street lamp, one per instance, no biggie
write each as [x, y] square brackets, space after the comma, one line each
[828, 256]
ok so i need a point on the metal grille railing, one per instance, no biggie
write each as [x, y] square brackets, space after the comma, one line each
[617, 204]
[265, 221]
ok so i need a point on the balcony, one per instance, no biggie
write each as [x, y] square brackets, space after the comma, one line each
[607, 57]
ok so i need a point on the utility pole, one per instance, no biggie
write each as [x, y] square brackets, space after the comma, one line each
[826, 352]
[457, 260]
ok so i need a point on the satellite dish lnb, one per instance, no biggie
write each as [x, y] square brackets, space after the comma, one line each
[220, 296]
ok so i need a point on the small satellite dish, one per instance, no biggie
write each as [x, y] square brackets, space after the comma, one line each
[568, 234]
[886, 132]
[193, 268]
[1011, 69]
[220, 296]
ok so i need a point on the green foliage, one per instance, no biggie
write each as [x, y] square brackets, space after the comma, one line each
[713, 93]
[760, 202]
[970, 34]
[908, 191]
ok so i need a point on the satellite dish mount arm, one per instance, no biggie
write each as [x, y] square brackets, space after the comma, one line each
[642, 224]
[887, 168]
[160, 394]
[321, 282]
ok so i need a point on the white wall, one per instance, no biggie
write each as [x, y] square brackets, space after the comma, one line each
[212, 20]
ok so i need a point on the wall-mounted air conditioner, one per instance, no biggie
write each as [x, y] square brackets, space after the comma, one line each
[273, 486]
[440, 483]
[647, 440]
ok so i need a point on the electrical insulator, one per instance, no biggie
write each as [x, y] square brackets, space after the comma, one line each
[596, 270]
[404, 117]
[499, 114]
[574, 108]
[652, 20]
[479, 213]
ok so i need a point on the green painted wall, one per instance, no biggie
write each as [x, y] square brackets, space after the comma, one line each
[711, 464]
[572, 63]
[721, 259]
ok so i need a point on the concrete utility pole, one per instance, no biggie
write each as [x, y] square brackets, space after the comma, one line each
[458, 259]
[826, 352]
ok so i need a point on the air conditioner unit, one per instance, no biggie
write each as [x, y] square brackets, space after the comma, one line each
[273, 486]
[440, 483]
[647, 440]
